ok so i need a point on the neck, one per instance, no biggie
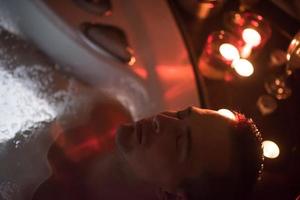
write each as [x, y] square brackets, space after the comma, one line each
[112, 169]
[110, 176]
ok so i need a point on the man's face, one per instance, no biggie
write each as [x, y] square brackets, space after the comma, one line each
[169, 147]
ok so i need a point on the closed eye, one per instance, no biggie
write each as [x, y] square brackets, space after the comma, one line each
[155, 125]
[182, 114]
[170, 114]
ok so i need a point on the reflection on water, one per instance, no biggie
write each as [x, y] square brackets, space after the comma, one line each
[21, 108]
[31, 91]
[36, 98]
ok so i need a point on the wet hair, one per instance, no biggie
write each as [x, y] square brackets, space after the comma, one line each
[247, 162]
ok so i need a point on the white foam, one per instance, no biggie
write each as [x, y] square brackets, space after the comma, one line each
[20, 106]
[28, 97]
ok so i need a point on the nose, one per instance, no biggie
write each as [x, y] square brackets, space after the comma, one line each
[123, 137]
[163, 122]
[125, 128]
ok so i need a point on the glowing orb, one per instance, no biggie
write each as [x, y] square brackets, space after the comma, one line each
[227, 113]
[246, 51]
[243, 67]
[270, 149]
[229, 52]
[251, 37]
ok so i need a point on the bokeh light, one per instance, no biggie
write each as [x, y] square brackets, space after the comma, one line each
[251, 37]
[270, 149]
[229, 51]
[243, 67]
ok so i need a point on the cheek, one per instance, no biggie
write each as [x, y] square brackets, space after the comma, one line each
[156, 163]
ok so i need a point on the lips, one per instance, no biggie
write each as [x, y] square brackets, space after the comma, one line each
[128, 136]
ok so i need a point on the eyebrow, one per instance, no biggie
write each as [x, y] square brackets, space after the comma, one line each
[170, 114]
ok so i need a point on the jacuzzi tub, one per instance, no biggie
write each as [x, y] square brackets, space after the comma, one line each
[42, 96]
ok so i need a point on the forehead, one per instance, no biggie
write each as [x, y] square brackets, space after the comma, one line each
[211, 144]
[199, 113]
[208, 125]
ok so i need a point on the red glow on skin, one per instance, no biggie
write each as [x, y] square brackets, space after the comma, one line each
[89, 144]
[84, 150]
[92, 139]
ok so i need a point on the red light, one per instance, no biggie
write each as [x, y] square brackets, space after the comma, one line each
[141, 72]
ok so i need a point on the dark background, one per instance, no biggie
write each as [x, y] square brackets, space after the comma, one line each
[281, 178]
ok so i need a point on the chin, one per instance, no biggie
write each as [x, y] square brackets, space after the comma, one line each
[122, 139]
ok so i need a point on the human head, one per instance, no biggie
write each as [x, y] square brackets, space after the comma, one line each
[194, 152]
